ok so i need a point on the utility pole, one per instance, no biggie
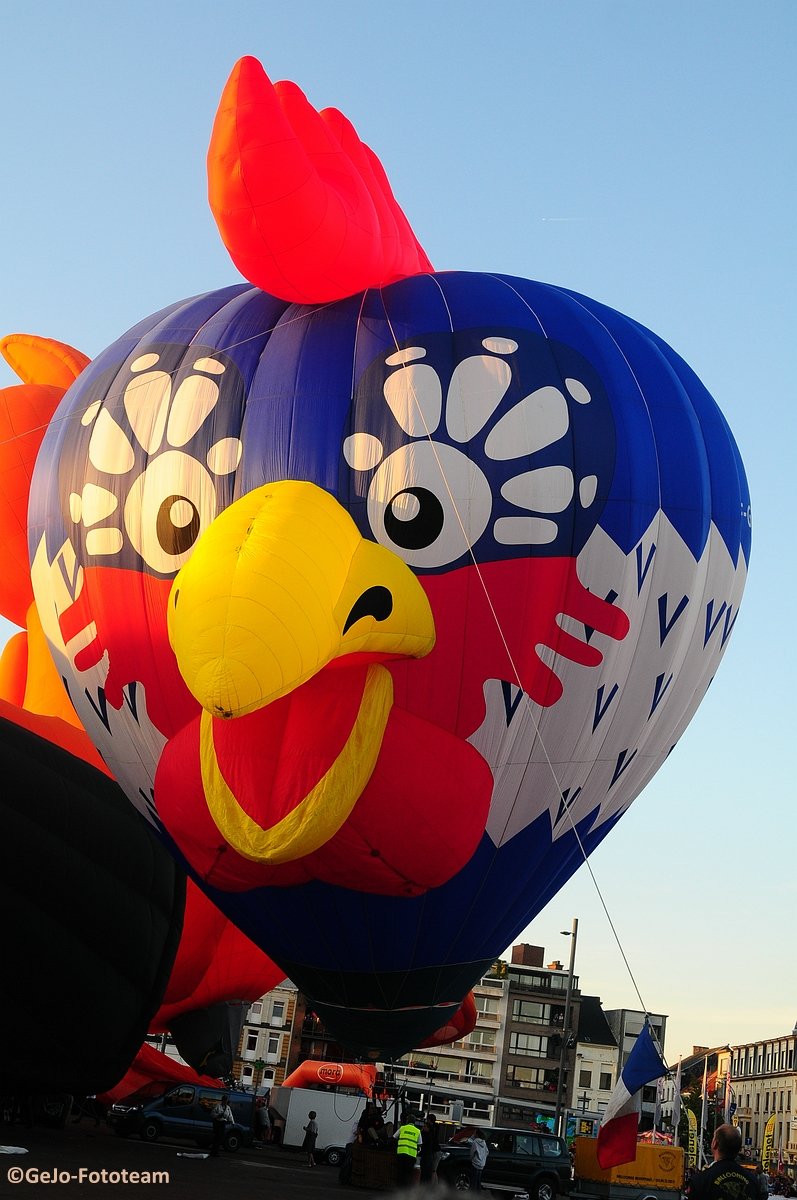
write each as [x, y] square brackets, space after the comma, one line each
[566, 1031]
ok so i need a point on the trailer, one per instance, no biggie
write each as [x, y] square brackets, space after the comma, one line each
[336, 1113]
[657, 1173]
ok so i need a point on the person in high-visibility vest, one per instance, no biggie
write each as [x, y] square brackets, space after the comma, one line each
[408, 1149]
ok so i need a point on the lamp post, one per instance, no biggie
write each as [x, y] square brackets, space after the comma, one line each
[573, 933]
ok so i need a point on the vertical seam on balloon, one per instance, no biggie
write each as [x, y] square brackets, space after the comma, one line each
[424, 898]
[633, 375]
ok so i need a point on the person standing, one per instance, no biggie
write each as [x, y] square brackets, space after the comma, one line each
[725, 1179]
[408, 1148]
[262, 1122]
[310, 1136]
[430, 1149]
[478, 1159]
[222, 1119]
[346, 1167]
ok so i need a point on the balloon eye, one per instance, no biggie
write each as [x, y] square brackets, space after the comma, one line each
[428, 503]
[168, 508]
[414, 518]
[177, 524]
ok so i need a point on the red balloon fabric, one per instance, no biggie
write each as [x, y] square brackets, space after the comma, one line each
[150, 1066]
[215, 963]
[303, 206]
[459, 1026]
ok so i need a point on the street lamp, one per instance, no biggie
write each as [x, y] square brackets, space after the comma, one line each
[557, 1121]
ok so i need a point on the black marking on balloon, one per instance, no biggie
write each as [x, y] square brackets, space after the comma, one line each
[101, 707]
[130, 697]
[176, 539]
[375, 602]
[421, 530]
[565, 802]
[659, 690]
[510, 702]
[610, 598]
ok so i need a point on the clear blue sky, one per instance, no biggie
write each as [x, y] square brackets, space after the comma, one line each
[641, 151]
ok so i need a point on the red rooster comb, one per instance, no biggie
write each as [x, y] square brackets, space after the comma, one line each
[303, 206]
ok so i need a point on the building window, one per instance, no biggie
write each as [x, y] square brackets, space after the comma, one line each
[585, 1079]
[251, 1041]
[528, 1043]
[531, 1077]
[487, 1006]
[273, 1043]
[481, 1039]
[525, 1077]
[255, 1009]
[606, 1081]
[278, 1012]
[531, 1011]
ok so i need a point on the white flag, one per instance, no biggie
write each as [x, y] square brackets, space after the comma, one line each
[703, 1115]
[657, 1109]
[728, 1095]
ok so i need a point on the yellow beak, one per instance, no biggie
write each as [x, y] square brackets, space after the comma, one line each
[281, 584]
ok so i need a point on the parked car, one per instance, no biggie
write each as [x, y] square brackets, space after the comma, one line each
[184, 1111]
[537, 1163]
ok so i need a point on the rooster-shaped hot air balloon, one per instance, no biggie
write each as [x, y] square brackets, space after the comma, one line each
[382, 592]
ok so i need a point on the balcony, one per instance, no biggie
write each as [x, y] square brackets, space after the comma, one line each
[432, 1078]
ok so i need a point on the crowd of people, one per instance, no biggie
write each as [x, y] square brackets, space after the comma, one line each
[416, 1142]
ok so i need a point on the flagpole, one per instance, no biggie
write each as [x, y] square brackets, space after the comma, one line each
[676, 1105]
[566, 1032]
[703, 1109]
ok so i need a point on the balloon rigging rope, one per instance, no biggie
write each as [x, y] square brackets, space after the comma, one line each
[525, 698]
[133, 384]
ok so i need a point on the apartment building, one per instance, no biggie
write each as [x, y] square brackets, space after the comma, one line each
[264, 1046]
[533, 1036]
[764, 1086]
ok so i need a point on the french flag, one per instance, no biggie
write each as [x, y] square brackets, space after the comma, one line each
[618, 1130]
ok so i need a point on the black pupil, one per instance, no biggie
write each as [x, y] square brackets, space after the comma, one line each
[176, 539]
[422, 529]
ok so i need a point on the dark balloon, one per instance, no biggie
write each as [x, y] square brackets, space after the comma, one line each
[93, 910]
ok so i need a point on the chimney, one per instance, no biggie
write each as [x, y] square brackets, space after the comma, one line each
[524, 955]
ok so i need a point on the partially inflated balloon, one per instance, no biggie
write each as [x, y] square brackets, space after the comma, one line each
[94, 908]
[381, 610]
